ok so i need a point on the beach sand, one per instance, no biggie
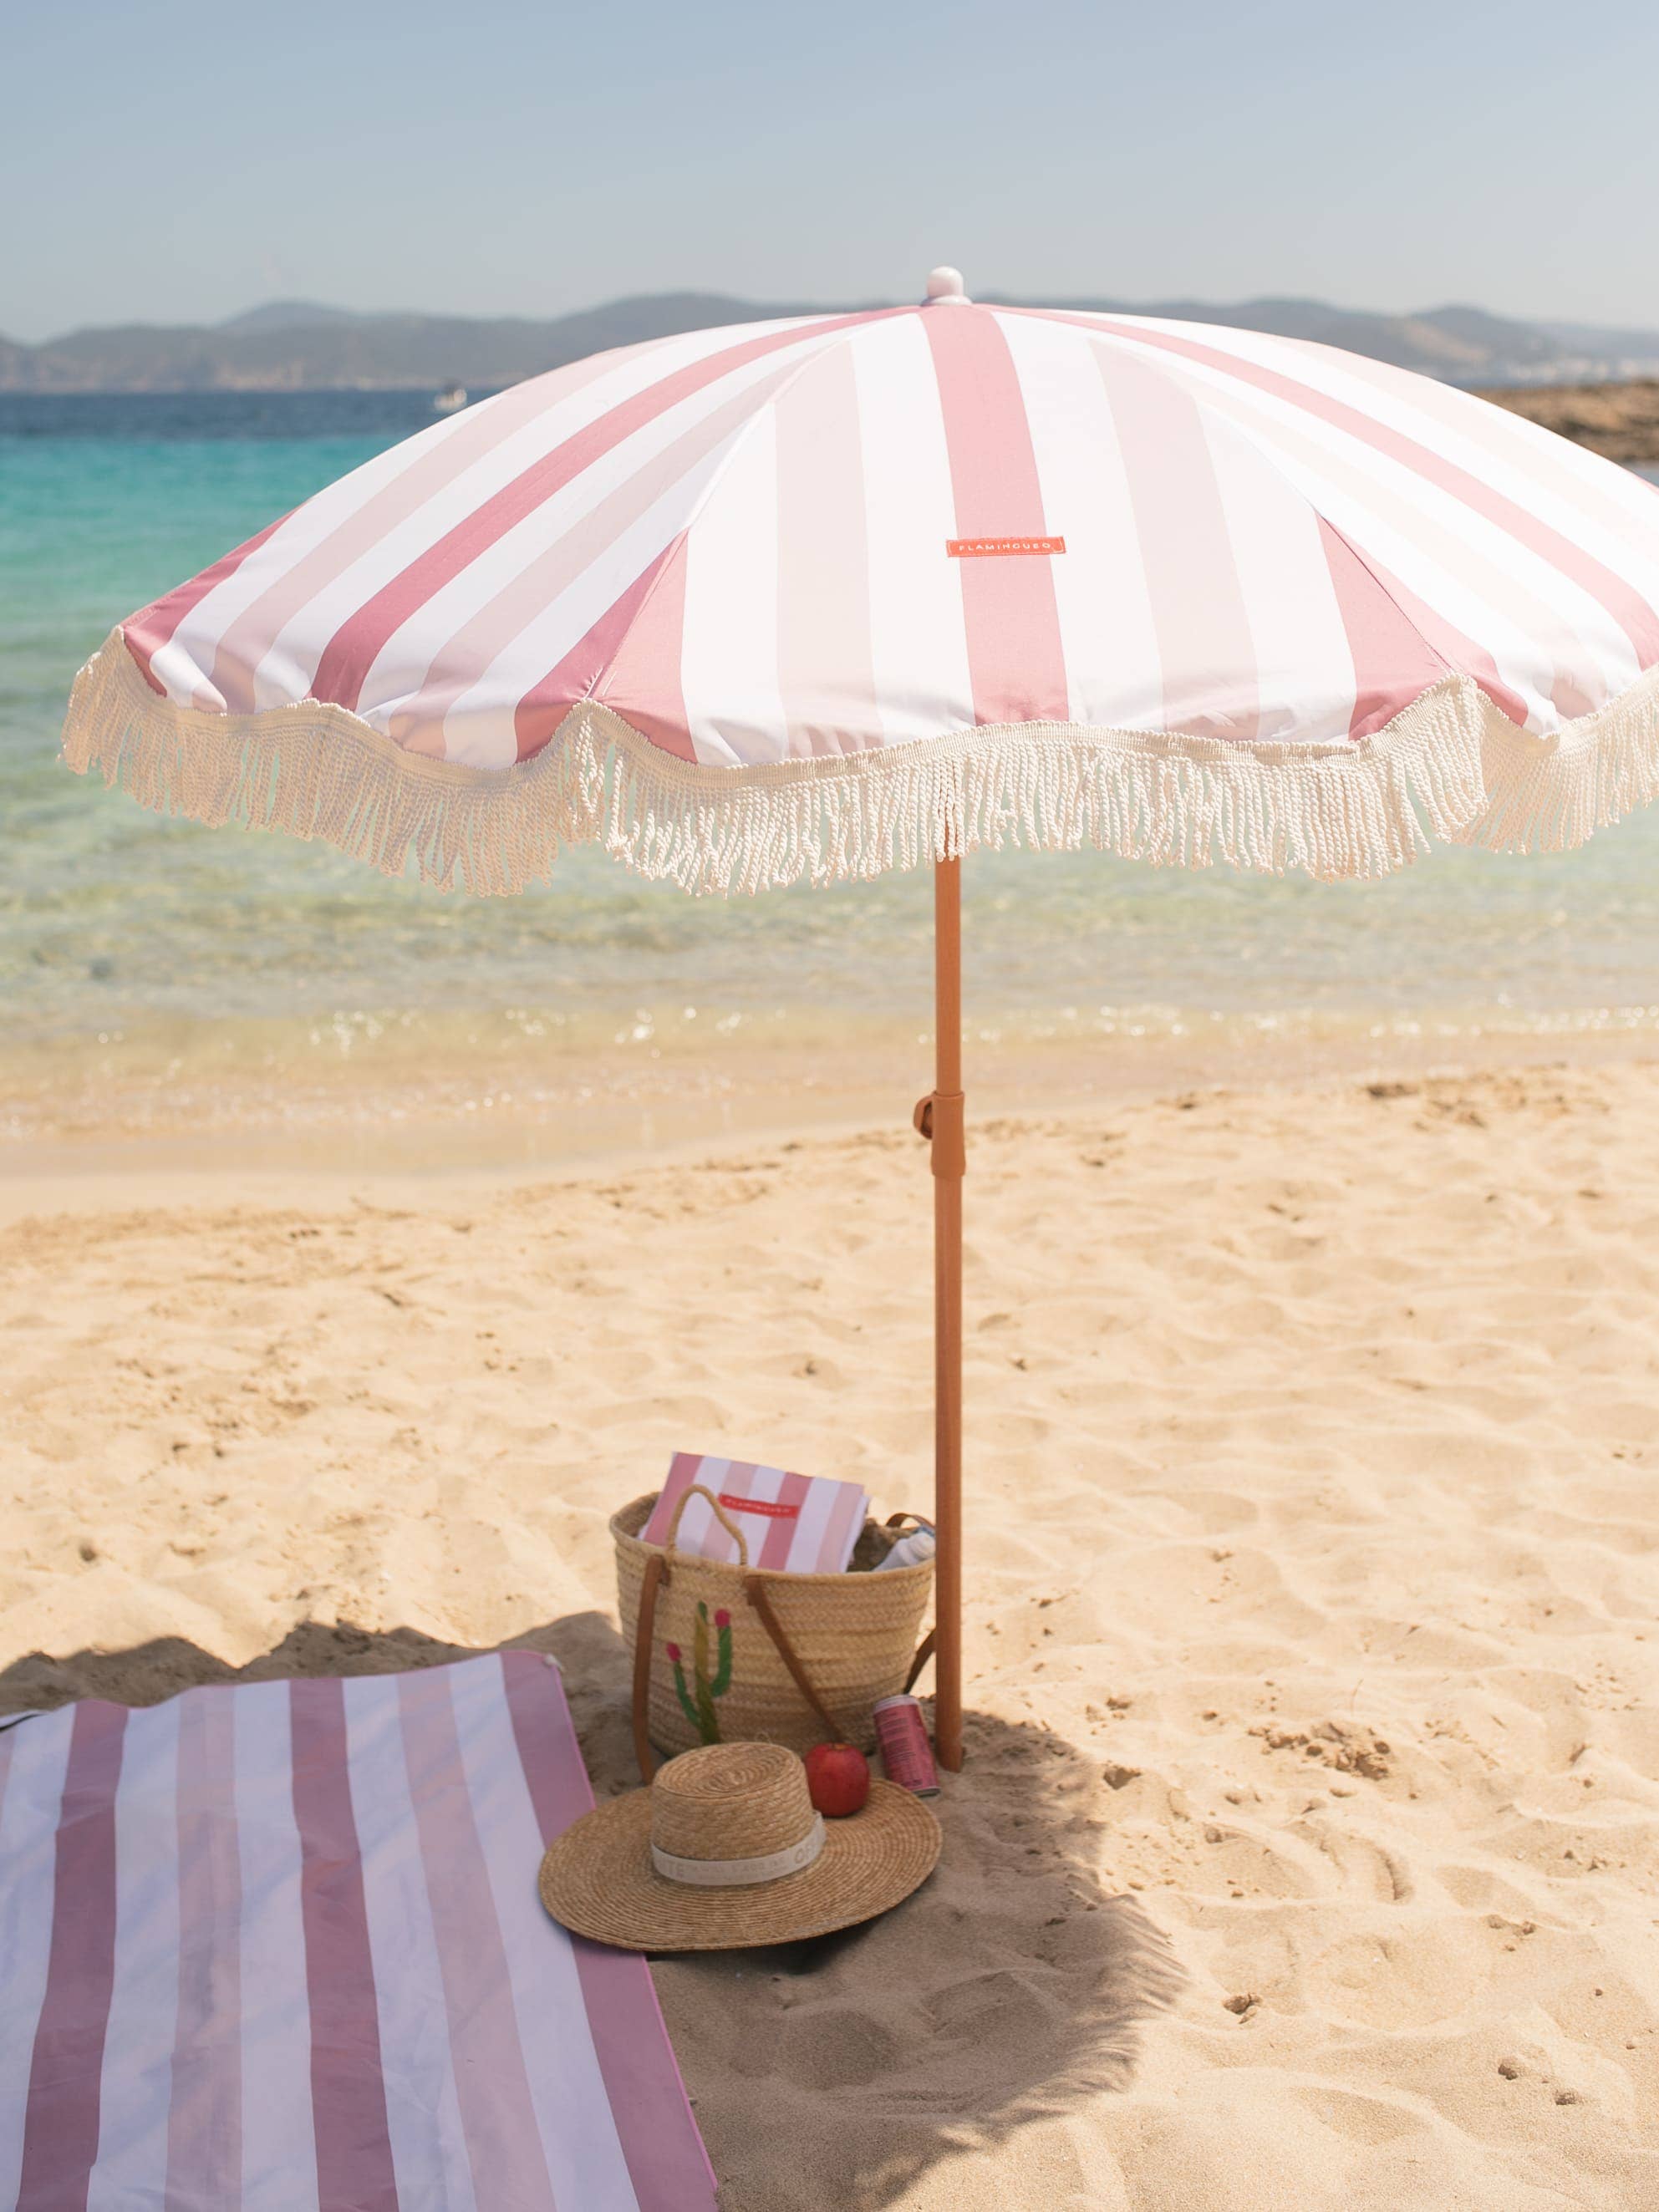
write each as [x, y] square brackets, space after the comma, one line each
[1308, 1851]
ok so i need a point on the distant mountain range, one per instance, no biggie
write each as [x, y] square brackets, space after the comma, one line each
[300, 345]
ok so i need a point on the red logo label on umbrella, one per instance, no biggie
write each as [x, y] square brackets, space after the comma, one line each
[979, 548]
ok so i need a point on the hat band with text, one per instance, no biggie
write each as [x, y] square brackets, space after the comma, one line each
[740, 1873]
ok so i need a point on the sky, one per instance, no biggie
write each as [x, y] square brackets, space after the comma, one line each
[174, 160]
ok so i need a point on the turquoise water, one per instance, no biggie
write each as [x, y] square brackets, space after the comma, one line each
[112, 917]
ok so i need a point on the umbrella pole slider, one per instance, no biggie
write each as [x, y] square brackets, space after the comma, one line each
[941, 1117]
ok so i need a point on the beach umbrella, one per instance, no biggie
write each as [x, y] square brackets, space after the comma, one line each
[808, 599]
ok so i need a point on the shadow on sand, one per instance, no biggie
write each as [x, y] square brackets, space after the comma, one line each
[1009, 1990]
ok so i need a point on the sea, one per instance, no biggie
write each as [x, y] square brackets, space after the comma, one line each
[156, 975]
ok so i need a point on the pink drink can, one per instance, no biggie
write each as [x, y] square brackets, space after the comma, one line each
[905, 1753]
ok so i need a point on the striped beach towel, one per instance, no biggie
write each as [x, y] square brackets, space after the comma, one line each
[277, 1947]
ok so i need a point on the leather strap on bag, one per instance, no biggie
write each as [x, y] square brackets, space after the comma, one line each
[924, 1653]
[755, 1591]
[655, 1575]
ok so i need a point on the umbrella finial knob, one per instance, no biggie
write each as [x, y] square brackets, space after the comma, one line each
[945, 289]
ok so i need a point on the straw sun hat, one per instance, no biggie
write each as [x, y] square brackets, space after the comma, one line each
[724, 1851]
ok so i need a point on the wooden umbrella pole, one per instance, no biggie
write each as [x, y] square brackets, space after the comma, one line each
[939, 1117]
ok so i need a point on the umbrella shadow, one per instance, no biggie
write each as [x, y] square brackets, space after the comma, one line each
[589, 1653]
[144, 1674]
[1009, 1990]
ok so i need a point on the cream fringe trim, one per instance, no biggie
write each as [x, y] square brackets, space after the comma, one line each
[1451, 767]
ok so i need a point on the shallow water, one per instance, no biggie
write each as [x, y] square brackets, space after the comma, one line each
[118, 929]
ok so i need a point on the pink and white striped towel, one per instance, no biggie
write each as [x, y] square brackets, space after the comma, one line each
[801, 1524]
[278, 1947]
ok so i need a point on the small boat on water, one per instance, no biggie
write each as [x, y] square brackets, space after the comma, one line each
[450, 400]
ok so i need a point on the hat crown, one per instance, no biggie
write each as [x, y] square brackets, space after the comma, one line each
[730, 1801]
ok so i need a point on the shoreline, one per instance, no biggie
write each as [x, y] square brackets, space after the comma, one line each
[236, 1099]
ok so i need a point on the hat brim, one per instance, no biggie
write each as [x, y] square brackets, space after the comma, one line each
[597, 1879]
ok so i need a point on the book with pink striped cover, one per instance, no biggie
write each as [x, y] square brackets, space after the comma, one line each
[799, 1524]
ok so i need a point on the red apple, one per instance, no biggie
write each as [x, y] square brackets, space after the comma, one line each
[838, 1778]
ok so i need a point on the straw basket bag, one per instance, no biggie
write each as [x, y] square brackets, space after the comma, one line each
[759, 1655]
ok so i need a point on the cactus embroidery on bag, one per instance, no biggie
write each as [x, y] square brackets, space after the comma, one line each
[697, 1701]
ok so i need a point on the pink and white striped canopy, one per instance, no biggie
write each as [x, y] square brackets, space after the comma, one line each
[822, 596]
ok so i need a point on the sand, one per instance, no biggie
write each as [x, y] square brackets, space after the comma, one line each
[1308, 1853]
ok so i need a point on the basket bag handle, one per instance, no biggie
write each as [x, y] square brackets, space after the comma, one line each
[659, 1571]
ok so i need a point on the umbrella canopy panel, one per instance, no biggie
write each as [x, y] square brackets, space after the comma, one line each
[816, 597]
